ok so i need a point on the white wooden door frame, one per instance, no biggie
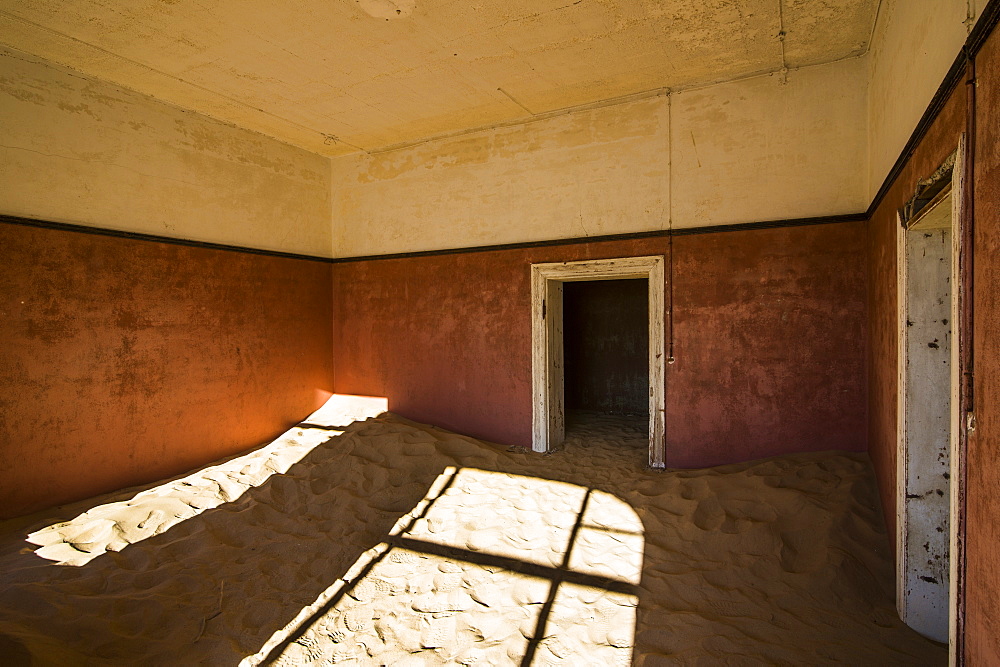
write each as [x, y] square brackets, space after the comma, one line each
[548, 416]
[956, 452]
[958, 419]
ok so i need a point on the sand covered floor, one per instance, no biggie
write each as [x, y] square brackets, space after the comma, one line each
[389, 542]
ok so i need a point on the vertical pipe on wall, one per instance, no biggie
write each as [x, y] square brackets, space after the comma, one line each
[968, 227]
[670, 297]
[670, 230]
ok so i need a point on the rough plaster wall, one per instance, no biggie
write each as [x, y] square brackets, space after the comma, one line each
[770, 339]
[596, 172]
[761, 149]
[942, 138]
[914, 44]
[755, 149]
[982, 583]
[983, 500]
[304, 70]
[126, 361]
[78, 150]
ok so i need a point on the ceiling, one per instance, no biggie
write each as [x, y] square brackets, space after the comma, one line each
[338, 76]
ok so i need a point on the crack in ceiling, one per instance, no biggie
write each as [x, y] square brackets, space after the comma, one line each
[339, 76]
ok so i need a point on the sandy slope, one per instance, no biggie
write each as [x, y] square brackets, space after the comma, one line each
[397, 543]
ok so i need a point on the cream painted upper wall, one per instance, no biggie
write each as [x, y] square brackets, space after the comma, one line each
[743, 151]
[914, 44]
[78, 150]
[592, 172]
[766, 149]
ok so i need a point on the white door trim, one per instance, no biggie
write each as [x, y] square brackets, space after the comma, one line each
[901, 389]
[956, 422]
[548, 418]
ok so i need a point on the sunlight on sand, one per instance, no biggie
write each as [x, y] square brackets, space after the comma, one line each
[113, 526]
[780, 562]
[488, 568]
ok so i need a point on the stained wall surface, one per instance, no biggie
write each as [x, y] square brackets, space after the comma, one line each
[982, 583]
[83, 151]
[983, 501]
[769, 328]
[338, 77]
[129, 361]
[757, 149]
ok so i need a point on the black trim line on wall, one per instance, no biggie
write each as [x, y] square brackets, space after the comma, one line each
[984, 27]
[656, 233]
[137, 236]
[944, 91]
[974, 42]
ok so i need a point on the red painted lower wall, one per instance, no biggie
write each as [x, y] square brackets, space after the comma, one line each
[982, 581]
[983, 457]
[769, 327]
[128, 361]
[942, 138]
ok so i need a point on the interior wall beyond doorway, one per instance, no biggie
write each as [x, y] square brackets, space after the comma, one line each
[606, 346]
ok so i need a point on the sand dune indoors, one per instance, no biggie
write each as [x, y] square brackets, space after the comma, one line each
[398, 543]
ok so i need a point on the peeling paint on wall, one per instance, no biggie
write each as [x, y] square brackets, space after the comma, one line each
[376, 73]
[387, 9]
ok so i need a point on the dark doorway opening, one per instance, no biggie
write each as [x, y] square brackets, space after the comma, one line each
[606, 359]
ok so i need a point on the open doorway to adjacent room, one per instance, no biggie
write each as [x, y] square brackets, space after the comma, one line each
[606, 361]
[930, 466]
[597, 352]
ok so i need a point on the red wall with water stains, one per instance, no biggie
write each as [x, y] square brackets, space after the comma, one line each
[982, 582]
[983, 456]
[769, 328]
[128, 361]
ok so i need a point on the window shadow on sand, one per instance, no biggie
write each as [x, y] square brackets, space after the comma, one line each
[360, 546]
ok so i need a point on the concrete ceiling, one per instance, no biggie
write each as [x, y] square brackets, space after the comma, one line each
[336, 76]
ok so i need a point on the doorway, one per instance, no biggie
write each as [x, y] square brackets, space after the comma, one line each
[930, 465]
[606, 360]
[549, 371]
